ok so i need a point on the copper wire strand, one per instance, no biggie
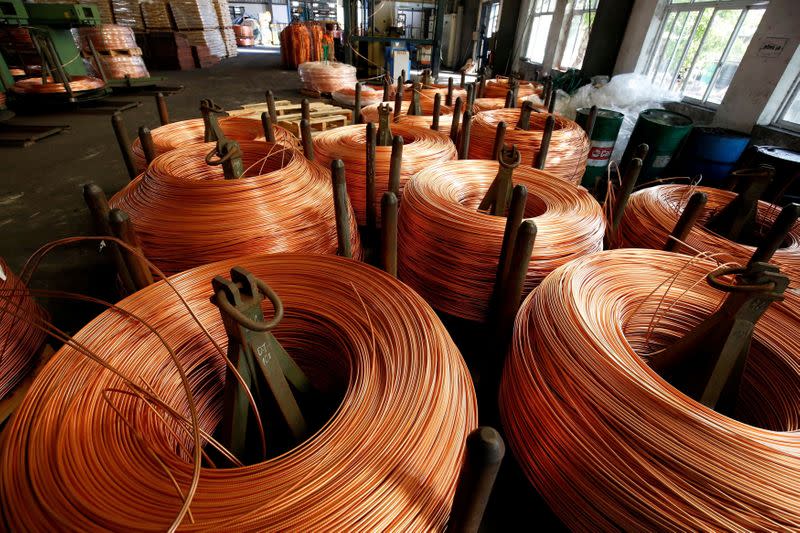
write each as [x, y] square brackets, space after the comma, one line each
[488, 104]
[186, 214]
[609, 443]
[77, 84]
[180, 134]
[449, 251]
[568, 149]
[370, 467]
[422, 148]
[651, 215]
[498, 88]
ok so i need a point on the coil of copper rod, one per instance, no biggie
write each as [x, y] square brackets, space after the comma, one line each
[487, 104]
[568, 150]
[449, 251]
[178, 134]
[187, 214]
[19, 343]
[425, 121]
[498, 88]
[428, 92]
[85, 452]
[370, 113]
[326, 76]
[651, 215]
[347, 95]
[117, 67]
[108, 37]
[422, 148]
[611, 445]
[77, 84]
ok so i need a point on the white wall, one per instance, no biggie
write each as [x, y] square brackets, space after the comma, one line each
[640, 34]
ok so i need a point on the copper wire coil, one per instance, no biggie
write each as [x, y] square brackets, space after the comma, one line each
[423, 147]
[370, 113]
[427, 94]
[187, 214]
[425, 121]
[326, 76]
[242, 31]
[108, 37]
[608, 443]
[118, 67]
[19, 343]
[347, 95]
[2, 100]
[651, 215]
[84, 456]
[449, 251]
[192, 131]
[569, 145]
[487, 104]
[498, 88]
[77, 84]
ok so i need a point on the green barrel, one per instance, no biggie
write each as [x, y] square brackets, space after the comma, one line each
[664, 132]
[604, 136]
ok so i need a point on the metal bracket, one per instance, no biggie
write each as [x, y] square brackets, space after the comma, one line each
[498, 195]
[384, 129]
[738, 218]
[524, 122]
[207, 107]
[254, 352]
[414, 108]
[227, 152]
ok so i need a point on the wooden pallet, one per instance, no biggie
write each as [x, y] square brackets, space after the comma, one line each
[311, 93]
[317, 123]
[283, 107]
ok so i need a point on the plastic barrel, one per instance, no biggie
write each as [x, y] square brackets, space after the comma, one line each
[785, 187]
[664, 132]
[604, 136]
[712, 152]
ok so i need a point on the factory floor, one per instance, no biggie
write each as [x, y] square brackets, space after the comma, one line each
[41, 201]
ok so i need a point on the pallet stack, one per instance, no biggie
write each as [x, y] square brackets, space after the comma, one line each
[322, 116]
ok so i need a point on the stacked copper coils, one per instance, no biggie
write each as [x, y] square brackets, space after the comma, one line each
[177, 134]
[301, 42]
[387, 459]
[652, 213]
[326, 76]
[187, 214]
[116, 48]
[499, 87]
[20, 340]
[108, 37]
[568, 149]
[77, 84]
[422, 148]
[449, 251]
[611, 445]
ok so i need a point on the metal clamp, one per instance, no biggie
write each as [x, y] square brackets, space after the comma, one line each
[498, 195]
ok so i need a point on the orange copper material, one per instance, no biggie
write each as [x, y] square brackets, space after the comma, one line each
[611, 445]
[423, 147]
[301, 42]
[651, 215]
[487, 104]
[347, 95]
[87, 451]
[77, 84]
[108, 37]
[19, 343]
[425, 121]
[178, 134]
[569, 145]
[187, 214]
[326, 76]
[498, 88]
[449, 251]
[370, 113]
[117, 67]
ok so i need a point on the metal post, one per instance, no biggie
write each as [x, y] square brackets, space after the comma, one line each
[97, 63]
[266, 123]
[163, 112]
[97, 203]
[124, 143]
[694, 207]
[398, 102]
[438, 29]
[466, 131]
[271, 106]
[463, 78]
[777, 233]
[482, 459]
[482, 87]
[306, 139]
[389, 233]
[340, 205]
[470, 90]
[499, 139]
[551, 105]
[516, 211]
[511, 290]
[628, 182]
[395, 165]
[123, 229]
[305, 109]
[437, 109]
[146, 140]
[357, 105]
[370, 172]
[509, 104]
[524, 121]
[456, 118]
[590, 121]
[541, 157]
[448, 101]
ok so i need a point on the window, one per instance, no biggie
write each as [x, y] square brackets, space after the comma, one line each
[700, 46]
[789, 116]
[494, 14]
[542, 18]
[580, 24]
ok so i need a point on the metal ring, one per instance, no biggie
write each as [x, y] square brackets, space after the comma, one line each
[246, 322]
[729, 287]
[210, 160]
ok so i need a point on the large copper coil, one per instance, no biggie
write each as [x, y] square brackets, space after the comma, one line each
[78, 84]
[610, 444]
[569, 145]
[487, 104]
[192, 131]
[326, 76]
[422, 148]
[498, 88]
[651, 215]
[370, 113]
[118, 67]
[347, 95]
[107, 37]
[449, 251]
[19, 342]
[88, 450]
[187, 214]
[425, 121]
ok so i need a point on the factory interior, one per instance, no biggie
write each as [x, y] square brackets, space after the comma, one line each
[501, 265]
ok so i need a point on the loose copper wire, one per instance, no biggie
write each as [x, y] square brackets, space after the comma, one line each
[422, 148]
[84, 453]
[77, 84]
[326, 76]
[19, 343]
[187, 214]
[568, 150]
[192, 131]
[449, 251]
[498, 88]
[651, 215]
[608, 443]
